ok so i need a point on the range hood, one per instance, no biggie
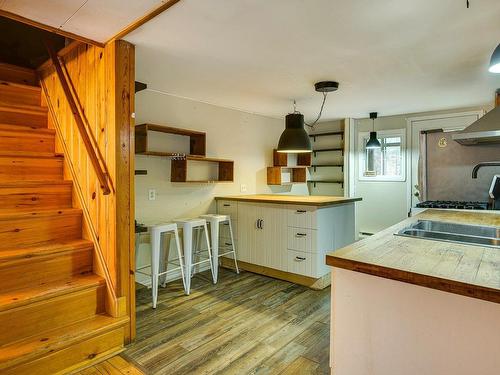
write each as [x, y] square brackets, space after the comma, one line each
[486, 130]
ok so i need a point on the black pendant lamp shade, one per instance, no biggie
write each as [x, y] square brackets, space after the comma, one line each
[294, 138]
[373, 142]
[495, 61]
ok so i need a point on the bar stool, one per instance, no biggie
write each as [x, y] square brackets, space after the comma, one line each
[215, 221]
[156, 234]
[188, 226]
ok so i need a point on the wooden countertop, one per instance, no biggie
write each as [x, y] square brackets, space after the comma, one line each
[307, 200]
[468, 270]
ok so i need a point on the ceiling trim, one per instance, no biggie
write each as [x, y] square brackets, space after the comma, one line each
[142, 20]
[48, 28]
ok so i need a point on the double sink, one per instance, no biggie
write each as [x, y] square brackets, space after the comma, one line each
[453, 232]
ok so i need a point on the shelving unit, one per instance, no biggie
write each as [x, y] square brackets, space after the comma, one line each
[180, 161]
[316, 165]
[283, 174]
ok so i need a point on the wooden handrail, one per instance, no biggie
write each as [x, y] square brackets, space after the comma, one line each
[91, 145]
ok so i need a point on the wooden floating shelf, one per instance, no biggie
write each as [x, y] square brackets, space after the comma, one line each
[276, 173]
[179, 169]
[197, 140]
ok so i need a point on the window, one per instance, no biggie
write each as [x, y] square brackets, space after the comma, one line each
[386, 163]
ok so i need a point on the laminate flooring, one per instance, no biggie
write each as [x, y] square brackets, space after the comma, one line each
[245, 324]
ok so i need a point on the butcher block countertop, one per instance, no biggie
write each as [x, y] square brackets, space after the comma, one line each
[468, 270]
[307, 200]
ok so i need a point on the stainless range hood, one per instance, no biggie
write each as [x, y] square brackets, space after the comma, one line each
[486, 130]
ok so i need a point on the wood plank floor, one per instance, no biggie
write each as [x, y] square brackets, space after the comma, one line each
[113, 366]
[246, 324]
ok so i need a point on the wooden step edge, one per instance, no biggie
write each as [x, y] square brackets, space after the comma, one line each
[26, 129]
[31, 348]
[23, 108]
[33, 183]
[30, 154]
[12, 214]
[11, 299]
[20, 85]
[9, 257]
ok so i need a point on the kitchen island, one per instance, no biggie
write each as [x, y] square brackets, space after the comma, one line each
[415, 306]
[288, 236]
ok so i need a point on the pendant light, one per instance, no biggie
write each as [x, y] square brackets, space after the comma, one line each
[495, 61]
[294, 138]
[373, 142]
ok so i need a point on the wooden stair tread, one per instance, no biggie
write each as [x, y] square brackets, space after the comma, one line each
[44, 343]
[21, 85]
[27, 130]
[31, 154]
[30, 252]
[33, 183]
[14, 298]
[11, 214]
[23, 108]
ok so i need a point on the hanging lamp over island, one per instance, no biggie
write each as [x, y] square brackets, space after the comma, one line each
[495, 61]
[373, 142]
[294, 138]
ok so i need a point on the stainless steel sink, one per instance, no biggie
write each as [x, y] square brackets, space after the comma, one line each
[452, 232]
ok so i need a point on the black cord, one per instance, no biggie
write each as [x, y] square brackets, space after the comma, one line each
[468, 5]
[320, 112]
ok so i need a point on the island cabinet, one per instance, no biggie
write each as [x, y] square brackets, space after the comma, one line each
[287, 241]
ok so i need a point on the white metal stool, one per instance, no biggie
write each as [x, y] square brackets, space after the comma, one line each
[215, 220]
[156, 234]
[188, 226]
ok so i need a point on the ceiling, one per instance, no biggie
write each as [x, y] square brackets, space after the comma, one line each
[98, 20]
[390, 56]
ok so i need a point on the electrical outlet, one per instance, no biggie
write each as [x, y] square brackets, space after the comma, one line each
[243, 188]
[152, 194]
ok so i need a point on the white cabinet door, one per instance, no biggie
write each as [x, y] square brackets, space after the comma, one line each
[273, 236]
[247, 232]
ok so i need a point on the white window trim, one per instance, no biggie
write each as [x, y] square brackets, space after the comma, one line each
[361, 156]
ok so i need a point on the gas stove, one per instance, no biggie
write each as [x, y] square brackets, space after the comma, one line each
[454, 204]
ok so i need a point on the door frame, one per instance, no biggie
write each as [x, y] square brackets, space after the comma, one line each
[412, 154]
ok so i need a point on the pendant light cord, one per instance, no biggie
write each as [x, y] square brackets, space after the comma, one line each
[320, 112]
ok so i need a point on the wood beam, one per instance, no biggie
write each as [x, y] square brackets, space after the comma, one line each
[142, 20]
[48, 28]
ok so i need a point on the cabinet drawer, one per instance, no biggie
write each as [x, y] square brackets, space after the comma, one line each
[302, 217]
[228, 208]
[301, 239]
[301, 263]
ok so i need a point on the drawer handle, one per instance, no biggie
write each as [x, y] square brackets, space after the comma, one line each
[227, 205]
[300, 259]
[301, 211]
[228, 243]
[226, 224]
[300, 234]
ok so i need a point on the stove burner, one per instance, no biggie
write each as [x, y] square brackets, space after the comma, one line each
[454, 204]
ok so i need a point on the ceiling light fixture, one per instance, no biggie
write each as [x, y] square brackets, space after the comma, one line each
[373, 142]
[495, 61]
[294, 138]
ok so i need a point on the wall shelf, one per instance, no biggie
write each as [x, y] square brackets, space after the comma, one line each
[283, 174]
[314, 182]
[327, 166]
[179, 169]
[197, 140]
[341, 133]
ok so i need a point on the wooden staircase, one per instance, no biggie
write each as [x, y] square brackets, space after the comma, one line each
[52, 305]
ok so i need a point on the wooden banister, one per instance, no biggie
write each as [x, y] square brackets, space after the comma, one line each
[81, 121]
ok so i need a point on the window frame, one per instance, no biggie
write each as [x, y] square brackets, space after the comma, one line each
[362, 155]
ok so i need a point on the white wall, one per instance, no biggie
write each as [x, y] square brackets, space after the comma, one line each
[385, 203]
[248, 139]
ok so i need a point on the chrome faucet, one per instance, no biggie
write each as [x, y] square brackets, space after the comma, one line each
[484, 164]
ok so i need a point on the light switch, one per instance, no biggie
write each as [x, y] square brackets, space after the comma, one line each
[152, 194]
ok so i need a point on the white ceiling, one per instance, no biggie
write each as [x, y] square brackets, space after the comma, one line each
[98, 20]
[390, 56]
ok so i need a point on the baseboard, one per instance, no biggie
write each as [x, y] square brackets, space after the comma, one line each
[310, 282]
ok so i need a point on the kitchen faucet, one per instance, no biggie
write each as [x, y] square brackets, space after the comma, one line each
[484, 164]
